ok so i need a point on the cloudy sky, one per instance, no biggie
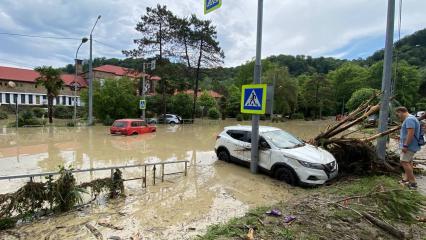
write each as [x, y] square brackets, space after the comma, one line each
[339, 28]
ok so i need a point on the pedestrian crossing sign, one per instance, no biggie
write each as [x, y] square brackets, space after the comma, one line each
[142, 104]
[253, 99]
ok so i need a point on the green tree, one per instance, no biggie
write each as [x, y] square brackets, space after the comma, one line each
[360, 96]
[209, 53]
[317, 94]
[234, 99]
[346, 79]
[114, 100]
[223, 106]
[286, 89]
[206, 100]
[181, 105]
[406, 80]
[50, 79]
[157, 38]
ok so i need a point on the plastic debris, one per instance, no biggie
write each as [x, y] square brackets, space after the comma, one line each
[274, 212]
[289, 219]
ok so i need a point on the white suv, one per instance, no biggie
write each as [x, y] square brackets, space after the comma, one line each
[281, 154]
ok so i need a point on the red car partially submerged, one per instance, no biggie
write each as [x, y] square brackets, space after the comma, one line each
[131, 127]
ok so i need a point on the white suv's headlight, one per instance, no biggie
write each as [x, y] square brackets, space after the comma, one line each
[311, 165]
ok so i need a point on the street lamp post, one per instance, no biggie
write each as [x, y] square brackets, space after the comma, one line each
[83, 40]
[90, 120]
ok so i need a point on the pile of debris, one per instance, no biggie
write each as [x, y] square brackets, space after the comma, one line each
[357, 156]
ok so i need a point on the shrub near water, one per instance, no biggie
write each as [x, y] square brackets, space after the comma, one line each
[27, 118]
[37, 199]
[214, 113]
[3, 115]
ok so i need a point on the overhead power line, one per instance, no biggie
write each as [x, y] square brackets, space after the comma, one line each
[17, 63]
[37, 36]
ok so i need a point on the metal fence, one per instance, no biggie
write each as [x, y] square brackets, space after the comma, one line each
[144, 178]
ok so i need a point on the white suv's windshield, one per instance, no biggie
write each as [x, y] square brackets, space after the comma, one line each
[283, 139]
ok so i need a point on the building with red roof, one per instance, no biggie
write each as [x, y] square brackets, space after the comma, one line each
[110, 71]
[19, 85]
[212, 93]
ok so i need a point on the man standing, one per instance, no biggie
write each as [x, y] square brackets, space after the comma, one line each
[422, 117]
[409, 144]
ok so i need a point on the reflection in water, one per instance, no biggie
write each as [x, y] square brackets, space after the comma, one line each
[212, 192]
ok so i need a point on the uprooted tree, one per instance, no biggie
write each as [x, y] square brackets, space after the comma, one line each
[357, 155]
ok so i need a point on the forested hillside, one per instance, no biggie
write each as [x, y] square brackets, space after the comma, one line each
[312, 87]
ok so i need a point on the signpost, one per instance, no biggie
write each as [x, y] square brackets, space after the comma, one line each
[211, 5]
[253, 99]
[254, 160]
[142, 104]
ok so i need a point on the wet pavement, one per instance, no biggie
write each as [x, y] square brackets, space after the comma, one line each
[179, 208]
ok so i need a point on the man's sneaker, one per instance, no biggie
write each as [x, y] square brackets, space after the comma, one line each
[412, 186]
[403, 182]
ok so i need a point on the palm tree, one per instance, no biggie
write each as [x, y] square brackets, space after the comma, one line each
[50, 79]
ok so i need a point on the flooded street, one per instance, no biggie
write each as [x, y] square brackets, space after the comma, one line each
[179, 208]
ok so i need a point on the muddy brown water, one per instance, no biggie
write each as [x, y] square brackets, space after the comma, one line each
[179, 208]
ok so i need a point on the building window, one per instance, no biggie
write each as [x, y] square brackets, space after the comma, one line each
[69, 101]
[7, 98]
[64, 100]
[35, 86]
[30, 99]
[22, 98]
[57, 100]
[15, 98]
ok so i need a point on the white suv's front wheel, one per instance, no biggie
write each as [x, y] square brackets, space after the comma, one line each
[287, 175]
[223, 154]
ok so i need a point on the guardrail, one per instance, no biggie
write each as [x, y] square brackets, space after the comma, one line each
[145, 166]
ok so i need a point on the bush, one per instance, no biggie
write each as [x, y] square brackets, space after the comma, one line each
[116, 99]
[108, 121]
[63, 112]
[213, 113]
[39, 112]
[3, 115]
[360, 96]
[27, 118]
[70, 124]
[239, 117]
[297, 116]
[262, 117]
[182, 105]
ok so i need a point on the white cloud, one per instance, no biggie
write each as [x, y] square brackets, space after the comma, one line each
[310, 27]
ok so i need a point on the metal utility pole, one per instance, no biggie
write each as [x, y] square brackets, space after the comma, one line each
[143, 89]
[257, 79]
[386, 81]
[274, 82]
[83, 40]
[90, 119]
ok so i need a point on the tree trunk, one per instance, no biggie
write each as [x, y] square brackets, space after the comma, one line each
[197, 78]
[163, 81]
[50, 107]
[316, 98]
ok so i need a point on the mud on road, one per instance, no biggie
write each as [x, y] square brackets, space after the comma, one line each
[179, 208]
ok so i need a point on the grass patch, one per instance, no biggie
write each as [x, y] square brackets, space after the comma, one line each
[319, 218]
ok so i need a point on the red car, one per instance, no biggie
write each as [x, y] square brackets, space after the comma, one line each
[131, 127]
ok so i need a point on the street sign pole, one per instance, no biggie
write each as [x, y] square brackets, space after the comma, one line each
[257, 72]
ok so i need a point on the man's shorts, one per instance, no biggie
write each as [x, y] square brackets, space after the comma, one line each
[407, 157]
